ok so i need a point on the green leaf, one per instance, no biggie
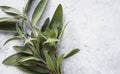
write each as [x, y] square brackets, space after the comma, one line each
[39, 11]
[11, 39]
[27, 6]
[45, 25]
[26, 69]
[57, 20]
[11, 10]
[22, 49]
[59, 60]
[33, 69]
[13, 59]
[8, 24]
[49, 62]
[71, 53]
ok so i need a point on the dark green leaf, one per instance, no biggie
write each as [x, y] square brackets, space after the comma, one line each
[11, 39]
[8, 24]
[39, 11]
[11, 10]
[22, 49]
[45, 25]
[71, 53]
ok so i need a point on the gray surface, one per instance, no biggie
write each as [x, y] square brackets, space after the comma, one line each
[94, 28]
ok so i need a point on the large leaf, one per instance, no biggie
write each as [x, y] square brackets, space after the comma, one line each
[11, 10]
[22, 49]
[13, 38]
[8, 24]
[13, 59]
[57, 20]
[71, 53]
[39, 11]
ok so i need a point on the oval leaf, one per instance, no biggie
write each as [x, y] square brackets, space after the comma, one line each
[57, 20]
[39, 11]
[13, 59]
[72, 53]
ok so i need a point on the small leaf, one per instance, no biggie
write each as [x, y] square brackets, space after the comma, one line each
[57, 20]
[72, 53]
[45, 25]
[8, 24]
[11, 10]
[11, 39]
[22, 49]
[13, 59]
[39, 11]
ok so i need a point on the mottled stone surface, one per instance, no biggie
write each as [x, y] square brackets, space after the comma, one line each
[94, 28]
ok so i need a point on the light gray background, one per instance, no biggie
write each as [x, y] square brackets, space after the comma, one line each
[94, 28]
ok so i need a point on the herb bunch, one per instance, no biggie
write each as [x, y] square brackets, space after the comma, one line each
[38, 54]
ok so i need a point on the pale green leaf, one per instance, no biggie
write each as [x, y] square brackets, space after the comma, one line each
[29, 40]
[51, 40]
[11, 10]
[39, 11]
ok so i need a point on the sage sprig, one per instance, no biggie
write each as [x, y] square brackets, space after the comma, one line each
[38, 54]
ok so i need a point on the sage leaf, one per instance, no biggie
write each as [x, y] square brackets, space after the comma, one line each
[13, 59]
[45, 25]
[57, 20]
[27, 6]
[8, 24]
[22, 49]
[49, 62]
[39, 11]
[11, 10]
[13, 38]
[33, 69]
[71, 53]
[59, 61]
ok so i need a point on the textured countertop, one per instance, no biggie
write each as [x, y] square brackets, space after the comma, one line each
[94, 28]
